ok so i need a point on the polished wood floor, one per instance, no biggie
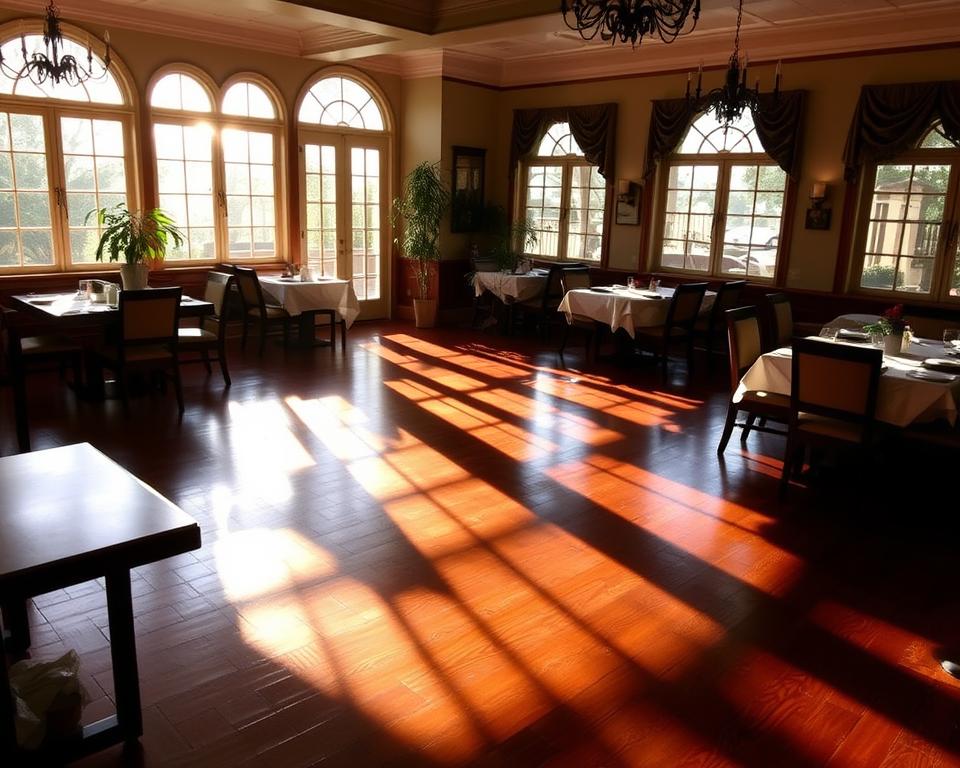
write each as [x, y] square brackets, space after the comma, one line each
[445, 548]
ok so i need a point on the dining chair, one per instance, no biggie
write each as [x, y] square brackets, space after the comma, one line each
[781, 332]
[713, 327]
[256, 309]
[745, 347]
[483, 305]
[198, 342]
[833, 399]
[574, 278]
[677, 328]
[543, 307]
[146, 339]
[28, 353]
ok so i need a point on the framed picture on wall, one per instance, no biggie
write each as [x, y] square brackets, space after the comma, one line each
[466, 211]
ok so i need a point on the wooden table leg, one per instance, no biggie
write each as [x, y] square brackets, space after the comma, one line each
[8, 729]
[16, 623]
[123, 652]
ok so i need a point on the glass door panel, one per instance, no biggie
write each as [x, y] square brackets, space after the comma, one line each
[320, 194]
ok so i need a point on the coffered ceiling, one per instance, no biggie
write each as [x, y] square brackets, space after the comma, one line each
[517, 42]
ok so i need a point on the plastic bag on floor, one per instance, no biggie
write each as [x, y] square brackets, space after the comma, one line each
[48, 697]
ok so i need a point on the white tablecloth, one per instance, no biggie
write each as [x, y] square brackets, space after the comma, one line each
[328, 293]
[901, 399]
[509, 288]
[623, 307]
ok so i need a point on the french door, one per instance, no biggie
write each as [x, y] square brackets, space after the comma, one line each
[344, 212]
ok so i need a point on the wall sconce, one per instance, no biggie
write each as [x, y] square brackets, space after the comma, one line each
[818, 217]
[628, 202]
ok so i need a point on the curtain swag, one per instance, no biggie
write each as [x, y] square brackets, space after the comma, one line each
[891, 119]
[594, 126]
[779, 123]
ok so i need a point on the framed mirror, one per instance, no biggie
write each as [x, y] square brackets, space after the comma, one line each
[466, 210]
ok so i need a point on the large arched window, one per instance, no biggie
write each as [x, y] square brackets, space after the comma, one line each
[65, 151]
[565, 199]
[907, 241]
[723, 201]
[343, 127]
[218, 161]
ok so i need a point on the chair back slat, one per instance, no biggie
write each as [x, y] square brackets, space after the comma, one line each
[685, 305]
[728, 297]
[249, 285]
[149, 316]
[575, 277]
[218, 283]
[743, 340]
[782, 319]
[839, 381]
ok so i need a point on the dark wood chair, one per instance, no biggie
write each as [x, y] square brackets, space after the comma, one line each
[713, 327]
[543, 307]
[833, 399]
[573, 278]
[781, 330]
[146, 339]
[29, 352]
[484, 305]
[196, 343]
[682, 314]
[745, 345]
[255, 309]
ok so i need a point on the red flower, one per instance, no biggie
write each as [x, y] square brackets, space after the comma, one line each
[894, 318]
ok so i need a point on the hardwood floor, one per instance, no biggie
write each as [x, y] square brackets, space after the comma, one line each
[447, 549]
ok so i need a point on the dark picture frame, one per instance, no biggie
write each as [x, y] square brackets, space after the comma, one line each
[818, 218]
[466, 188]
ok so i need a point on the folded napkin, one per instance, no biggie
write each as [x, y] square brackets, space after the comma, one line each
[848, 334]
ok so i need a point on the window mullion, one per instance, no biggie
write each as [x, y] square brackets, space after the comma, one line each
[56, 175]
[221, 237]
[566, 184]
[720, 215]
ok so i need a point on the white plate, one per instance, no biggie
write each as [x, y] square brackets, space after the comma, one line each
[942, 362]
[920, 373]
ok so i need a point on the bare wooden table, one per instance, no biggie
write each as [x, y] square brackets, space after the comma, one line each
[70, 515]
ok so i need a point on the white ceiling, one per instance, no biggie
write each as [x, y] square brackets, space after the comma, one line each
[516, 42]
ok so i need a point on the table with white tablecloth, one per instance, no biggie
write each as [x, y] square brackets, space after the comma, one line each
[297, 296]
[509, 288]
[627, 308]
[901, 399]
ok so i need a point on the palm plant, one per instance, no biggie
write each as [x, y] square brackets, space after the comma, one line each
[421, 205]
[140, 237]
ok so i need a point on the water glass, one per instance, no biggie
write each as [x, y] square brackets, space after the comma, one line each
[631, 282]
[828, 332]
[951, 341]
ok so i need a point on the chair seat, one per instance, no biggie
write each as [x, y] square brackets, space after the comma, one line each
[272, 312]
[765, 399]
[47, 345]
[832, 428]
[187, 336]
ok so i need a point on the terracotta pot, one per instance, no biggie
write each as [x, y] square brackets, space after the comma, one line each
[134, 276]
[425, 312]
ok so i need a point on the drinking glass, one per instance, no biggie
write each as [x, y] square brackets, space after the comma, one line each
[951, 341]
[828, 332]
[631, 282]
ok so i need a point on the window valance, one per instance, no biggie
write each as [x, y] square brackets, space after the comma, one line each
[594, 126]
[779, 124]
[890, 119]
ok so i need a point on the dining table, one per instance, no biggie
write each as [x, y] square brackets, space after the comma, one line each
[920, 384]
[622, 307]
[305, 299]
[509, 287]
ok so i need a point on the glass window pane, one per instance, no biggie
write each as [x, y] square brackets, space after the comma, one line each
[341, 101]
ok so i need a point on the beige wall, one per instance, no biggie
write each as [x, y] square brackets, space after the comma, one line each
[833, 85]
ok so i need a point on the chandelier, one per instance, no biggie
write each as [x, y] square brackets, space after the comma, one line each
[630, 20]
[734, 97]
[52, 64]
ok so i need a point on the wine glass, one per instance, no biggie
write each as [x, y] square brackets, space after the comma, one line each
[631, 282]
[951, 341]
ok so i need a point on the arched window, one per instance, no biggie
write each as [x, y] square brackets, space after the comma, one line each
[564, 199]
[65, 151]
[723, 203]
[217, 159]
[345, 171]
[907, 240]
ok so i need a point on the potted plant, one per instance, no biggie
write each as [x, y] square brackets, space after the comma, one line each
[141, 238]
[421, 205]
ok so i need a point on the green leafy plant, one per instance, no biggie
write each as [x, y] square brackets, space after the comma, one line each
[509, 241]
[420, 208]
[138, 237]
[890, 322]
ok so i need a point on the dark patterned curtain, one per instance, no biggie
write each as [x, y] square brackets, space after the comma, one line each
[594, 126]
[779, 123]
[890, 119]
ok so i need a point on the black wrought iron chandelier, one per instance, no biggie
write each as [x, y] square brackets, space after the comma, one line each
[52, 64]
[734, 97]
[630, 20]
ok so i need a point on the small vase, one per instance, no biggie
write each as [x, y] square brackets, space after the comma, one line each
[134, 276]
[892, 343]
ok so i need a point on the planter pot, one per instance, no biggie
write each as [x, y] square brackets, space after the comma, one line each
[425, 312]
[134, 276]
[892, 343]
